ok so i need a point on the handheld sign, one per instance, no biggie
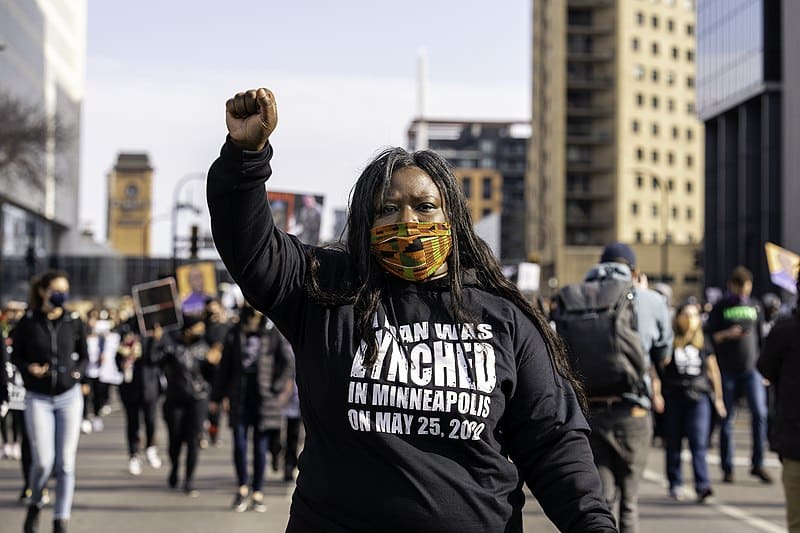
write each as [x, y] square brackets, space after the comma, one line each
[783, 266]
[156, 302]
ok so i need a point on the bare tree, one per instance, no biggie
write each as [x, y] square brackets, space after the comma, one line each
[24, 131]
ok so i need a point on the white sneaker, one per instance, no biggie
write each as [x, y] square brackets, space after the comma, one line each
[86, 426]
[105, 410]
[7, 451]
[134, 466]
[97, 425]
[16, 451]
[151, 453]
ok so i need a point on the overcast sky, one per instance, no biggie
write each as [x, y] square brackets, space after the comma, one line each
[343, 74]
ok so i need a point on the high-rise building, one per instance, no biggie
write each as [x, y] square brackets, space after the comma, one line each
[616, 148]
[489, 161]
[42, 66]
[749, 98]
[130, 189]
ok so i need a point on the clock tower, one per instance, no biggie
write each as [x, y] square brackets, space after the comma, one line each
[130, 187]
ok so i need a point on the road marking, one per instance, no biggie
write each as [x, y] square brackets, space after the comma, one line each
[727, 510]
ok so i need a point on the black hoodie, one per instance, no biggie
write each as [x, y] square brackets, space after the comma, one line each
[422, 441]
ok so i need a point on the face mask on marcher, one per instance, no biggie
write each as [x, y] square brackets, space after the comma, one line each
[58, 298]
[412, 251]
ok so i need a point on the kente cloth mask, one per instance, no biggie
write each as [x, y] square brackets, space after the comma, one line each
[412, 251]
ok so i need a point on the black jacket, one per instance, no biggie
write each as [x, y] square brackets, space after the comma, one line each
[421, 441]
[780, 363]
[142, 384]
[60, 343]
[273, 368]
[183, 366]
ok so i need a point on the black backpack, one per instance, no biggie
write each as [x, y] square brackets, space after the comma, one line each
[597, 320]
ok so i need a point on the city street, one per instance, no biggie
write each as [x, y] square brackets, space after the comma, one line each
[107, 498]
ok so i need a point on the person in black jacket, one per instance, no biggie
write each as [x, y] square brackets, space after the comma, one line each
[50, 351]
[780, 363]
[182, 358]
[255, 368]
[139, 392]
[429, 387]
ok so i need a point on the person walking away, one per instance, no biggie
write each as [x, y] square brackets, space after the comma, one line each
[255, 368]
[429, 386]
[780, 364]
[182, 357]
[735, 325]
[216, 328]
[50, 351]
[691, 385]
[618, 332]
[139, 392]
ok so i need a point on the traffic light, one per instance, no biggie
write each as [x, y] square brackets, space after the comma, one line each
[193, 244]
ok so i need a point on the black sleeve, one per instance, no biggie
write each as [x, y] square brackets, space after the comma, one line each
[547, 439]
[81, 348]
[775, 347]
[225, 374]
[269, 265]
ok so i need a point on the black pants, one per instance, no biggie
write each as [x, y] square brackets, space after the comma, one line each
[184, 425]
[27, 459]
[292, 437]
[98, 396]
[132, 412]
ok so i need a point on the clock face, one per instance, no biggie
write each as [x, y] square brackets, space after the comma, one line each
[131, 191]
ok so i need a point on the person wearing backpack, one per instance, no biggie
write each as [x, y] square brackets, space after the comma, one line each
[617, 332]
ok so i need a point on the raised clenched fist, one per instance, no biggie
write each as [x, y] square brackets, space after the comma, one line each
[251, 117]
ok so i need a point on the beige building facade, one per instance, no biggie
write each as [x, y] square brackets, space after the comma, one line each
[130, 189]
[616, 151]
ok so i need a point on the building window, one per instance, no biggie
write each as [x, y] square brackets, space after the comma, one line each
[675, 52]
[670, 104]
[638, 236]
[639, 182]
[689, 213]
[690, 56]
[638, 72]
[487, 187]
[654, 129]
[675, 132]
[654, 21]
[639, 154]
[654, 156]
[655, 183]
[675, 212]
[639, 99]
[466, 183]
[689, 187]
[654, 48]
[635, 126]
[670, 158]
[670, 184]
[690, 29]
[634, 208]
[690, 108]
[654, 210]
[689, 81]
[655, 102]
[635, 43]
[654, 75]
[639, 18]
[689, 161]
[670, 78]
[689, 134]
[670, 25]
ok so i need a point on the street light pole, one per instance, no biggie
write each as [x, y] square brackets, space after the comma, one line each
[176, 206]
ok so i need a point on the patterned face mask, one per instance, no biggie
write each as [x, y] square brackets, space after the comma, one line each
[412, 251]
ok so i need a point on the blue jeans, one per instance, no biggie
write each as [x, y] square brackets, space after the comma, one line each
[54, 425]
[260, 445]
[751, 385]
[690, 418]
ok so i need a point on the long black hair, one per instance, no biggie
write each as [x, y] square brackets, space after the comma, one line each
[469, 252]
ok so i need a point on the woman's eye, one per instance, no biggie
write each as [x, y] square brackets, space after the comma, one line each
[426, 207]
[388, 209]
